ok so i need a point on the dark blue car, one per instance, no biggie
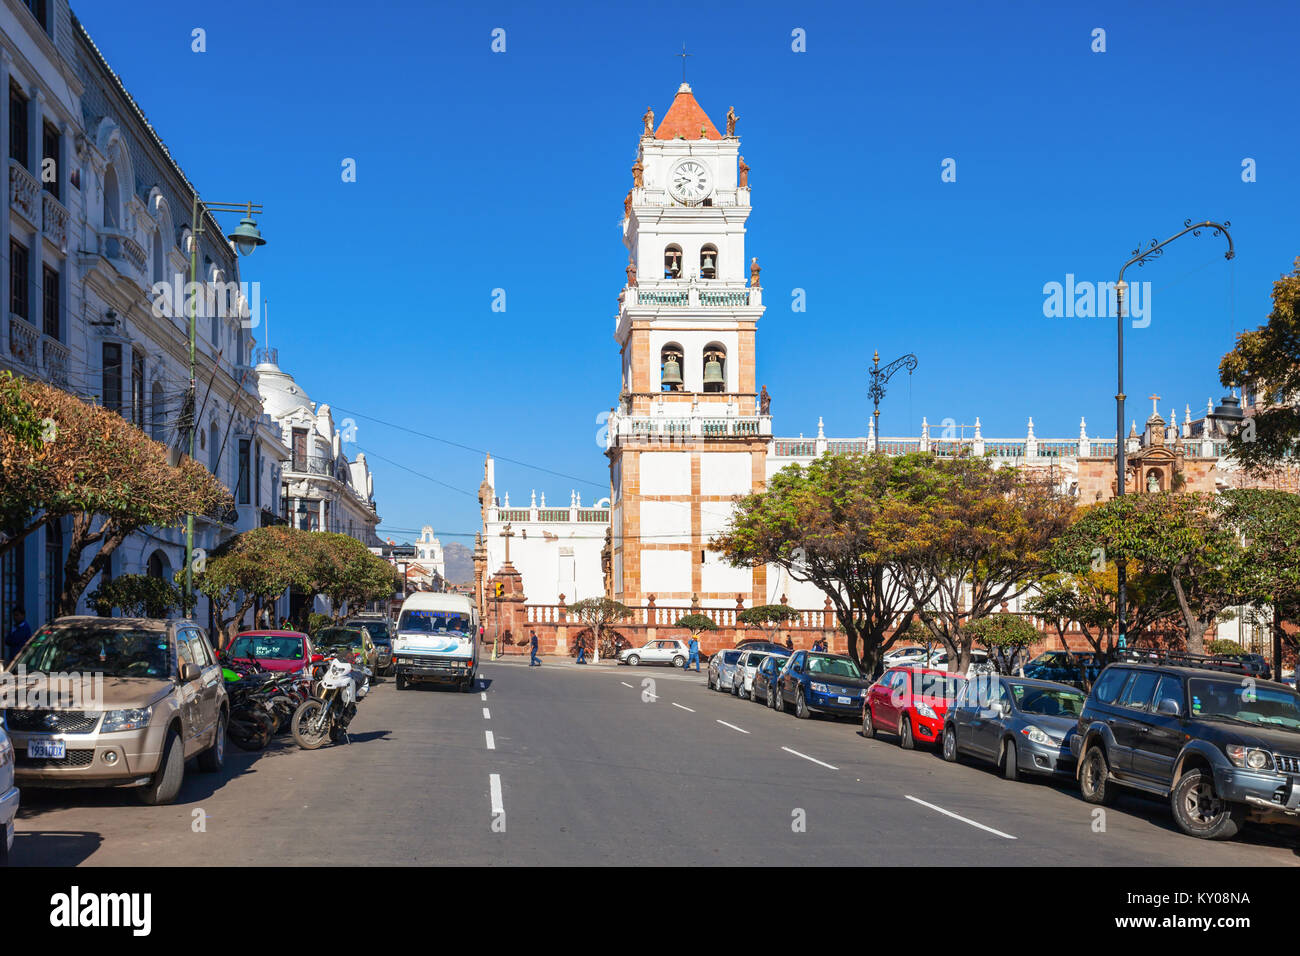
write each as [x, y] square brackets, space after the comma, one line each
[821, 683]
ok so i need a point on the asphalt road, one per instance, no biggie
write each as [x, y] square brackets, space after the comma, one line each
[608, 765]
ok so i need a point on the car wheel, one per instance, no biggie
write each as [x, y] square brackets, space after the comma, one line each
[905, 739]
[1202, 813]
[214, 758]
[868, 725]
[708, 681]
[166, 782]
[633, 660]
[949, 744]
[1094, 786]
[400, 681]
[679, 661]
[735, 688]
[801, 708]
[773, 695]
[1010, 761]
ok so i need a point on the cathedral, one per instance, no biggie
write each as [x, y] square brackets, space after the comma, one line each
[691, 429]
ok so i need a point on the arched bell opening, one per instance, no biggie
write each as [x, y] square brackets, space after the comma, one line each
[715, 368]
[673, 262]
[670, 368]
[709, 261]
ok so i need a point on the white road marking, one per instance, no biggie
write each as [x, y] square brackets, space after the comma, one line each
[483, 696]
[494, 782]
[733, 726]
[487, 715]
[813, 759]
[625, 683]
[675, 704]
[957, 816]
[491, 741]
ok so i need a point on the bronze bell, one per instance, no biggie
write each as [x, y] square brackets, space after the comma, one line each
[707, 268]
[672, 374]
[713, 372]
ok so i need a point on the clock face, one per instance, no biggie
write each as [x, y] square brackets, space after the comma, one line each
[690, 181]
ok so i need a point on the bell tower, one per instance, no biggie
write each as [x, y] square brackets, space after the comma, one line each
[688, 434]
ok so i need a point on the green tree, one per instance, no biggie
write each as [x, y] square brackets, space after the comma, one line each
[1178, 538]
[767, 617]
[136, 595]
[1268, 522]
[599, 613]
[258, 564]
[344, 571]
[968, 537]
[829, 523]
[697, 624]
[1267, 360]
[1003, 635]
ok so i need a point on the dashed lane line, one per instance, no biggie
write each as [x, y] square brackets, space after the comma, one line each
[813, 759]
[494, 785]
[682, 706]
[733, 726]
[487, 714]
[958, 816]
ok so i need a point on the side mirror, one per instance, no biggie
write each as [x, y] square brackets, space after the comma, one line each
[190, 672]
[1168, 708]
[317, 658]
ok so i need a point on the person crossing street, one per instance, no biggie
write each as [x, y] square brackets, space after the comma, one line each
[532, 645]
[695, 654]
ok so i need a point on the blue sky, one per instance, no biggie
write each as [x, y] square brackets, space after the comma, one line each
[478, 171]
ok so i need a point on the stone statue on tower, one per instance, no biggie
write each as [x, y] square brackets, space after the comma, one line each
[649, 120]
[731, 121]
[744, 174]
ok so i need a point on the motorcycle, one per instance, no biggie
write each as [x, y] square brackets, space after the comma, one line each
[340, 685]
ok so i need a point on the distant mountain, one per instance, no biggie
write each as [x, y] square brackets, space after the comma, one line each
[459, 561]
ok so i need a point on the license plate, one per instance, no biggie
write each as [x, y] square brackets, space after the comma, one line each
[845, 700]
[47, 749]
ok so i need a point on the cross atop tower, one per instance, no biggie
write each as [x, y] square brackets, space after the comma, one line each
[507, 534]
[1155, 412]
[684, 55]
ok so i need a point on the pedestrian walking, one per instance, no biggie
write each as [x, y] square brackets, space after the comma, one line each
[695, 655]
[18, 634]
[582, 651]
[532, 644]
[789, 644]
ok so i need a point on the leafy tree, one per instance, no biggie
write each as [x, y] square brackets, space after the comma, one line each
[1224, 647]
[95, 466]
[1079, 594]
[136, 595]
[1267, 360]
[1177, 537]
[258, 564]
[697, 624]
[968, 537]
[598, 613]
[827, 523]
[1268, 521]
[767, 617]
[345, 571]
[1004, 636]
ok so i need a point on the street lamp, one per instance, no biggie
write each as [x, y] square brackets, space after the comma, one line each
[1140, 256]
[879, 376]
[246, 238]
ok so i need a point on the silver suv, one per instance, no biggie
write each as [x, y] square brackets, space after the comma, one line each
[113, 702]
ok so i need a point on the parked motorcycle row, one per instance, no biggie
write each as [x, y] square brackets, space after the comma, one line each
[315, 704]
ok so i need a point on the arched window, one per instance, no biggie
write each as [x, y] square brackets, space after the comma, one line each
[673, 262]
[112, 199]
[715, 368]
[670, 368]
[709, 261]
[158, 409]
[154, 568]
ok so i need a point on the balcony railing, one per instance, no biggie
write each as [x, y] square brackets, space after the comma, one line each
[54, 217]
[24, 191]
[312, 465]
[55, 356]
[24, 339]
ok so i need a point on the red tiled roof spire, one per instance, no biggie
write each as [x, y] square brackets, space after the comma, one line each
[685, 118]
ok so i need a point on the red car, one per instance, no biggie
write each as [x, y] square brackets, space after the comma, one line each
[274, 650]
[910, 702]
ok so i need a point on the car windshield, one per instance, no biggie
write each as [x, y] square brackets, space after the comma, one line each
[730, 657]
[378, 630]
[258, 645]
[427, 622]
[338, 637]
[935, 685]
[1048, 701]
[93, 649]
[833, 666]
[1245, 701]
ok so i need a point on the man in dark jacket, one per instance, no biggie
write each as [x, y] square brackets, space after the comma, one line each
[532, 644]
[18, 634]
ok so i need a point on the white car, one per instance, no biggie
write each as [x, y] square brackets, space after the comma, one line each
[742, 681]
[979, 662]
[8, 798]
[904, 657]
[668, 651]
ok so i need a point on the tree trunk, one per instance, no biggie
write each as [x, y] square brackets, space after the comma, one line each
[75, 579]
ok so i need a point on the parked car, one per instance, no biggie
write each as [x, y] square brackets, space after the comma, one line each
[355, 640]
[665, 651]
[381, 633]
[274, 650]
[814, 682]
[742, 684]
[758, 644]
[1076, 668]
[904, 656]
[722, 669]
[1198, 730]
[1017, 724]
[147, 697]
[1257, 665]
[765, 676]
[8, 797]
[911, 702]
[980, 663]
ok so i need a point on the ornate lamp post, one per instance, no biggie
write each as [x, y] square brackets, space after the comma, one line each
[879, 377]
[1140, 256]
[246, 238]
